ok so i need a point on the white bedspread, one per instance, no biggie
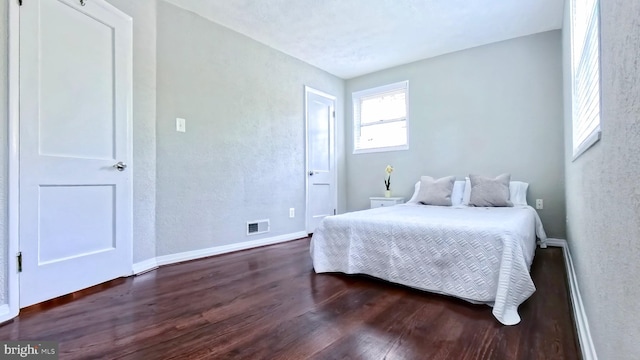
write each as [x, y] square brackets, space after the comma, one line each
[482, 255]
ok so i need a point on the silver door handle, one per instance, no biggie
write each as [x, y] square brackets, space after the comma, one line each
[120, 166]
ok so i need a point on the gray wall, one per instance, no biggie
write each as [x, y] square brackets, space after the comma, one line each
[603, 191]
[243, 155]
[487, 110]
[144, 125]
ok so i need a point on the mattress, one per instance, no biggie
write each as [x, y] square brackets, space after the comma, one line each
[481, 255]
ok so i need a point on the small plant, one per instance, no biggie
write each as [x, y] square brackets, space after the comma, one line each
[387, 179]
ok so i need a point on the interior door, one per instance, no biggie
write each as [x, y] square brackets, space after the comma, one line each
[75, 146]
[321, 172]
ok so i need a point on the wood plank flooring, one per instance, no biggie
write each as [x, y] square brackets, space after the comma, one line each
[268, 303]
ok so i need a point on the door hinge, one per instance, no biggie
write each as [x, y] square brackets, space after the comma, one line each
[19, 261]
[334, 114]
[334, 211]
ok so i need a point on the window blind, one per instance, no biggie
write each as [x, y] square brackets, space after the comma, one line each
[586, 74]
[380, 118]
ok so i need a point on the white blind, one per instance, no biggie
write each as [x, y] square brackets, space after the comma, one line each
[380, 118]
[586, 73]
[384, 107]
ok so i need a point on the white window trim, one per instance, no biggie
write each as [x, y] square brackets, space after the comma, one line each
[587, 143]
[596, 133]
[356, 121]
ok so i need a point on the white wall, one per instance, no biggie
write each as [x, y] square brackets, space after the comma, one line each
[242, 157]
[488, 110]
[603, 191]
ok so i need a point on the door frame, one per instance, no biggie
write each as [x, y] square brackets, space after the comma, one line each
[13, 200]
[12, 308]
[308, 90]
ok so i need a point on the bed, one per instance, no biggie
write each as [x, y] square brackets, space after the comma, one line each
[478, 254]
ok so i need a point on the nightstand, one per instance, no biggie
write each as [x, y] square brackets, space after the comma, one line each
[385, 201]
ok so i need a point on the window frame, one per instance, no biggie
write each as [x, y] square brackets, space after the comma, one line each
[581, 145]
[356, 97]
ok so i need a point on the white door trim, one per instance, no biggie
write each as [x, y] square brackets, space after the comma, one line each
[13, 131]
[308, 89]
[13, 286]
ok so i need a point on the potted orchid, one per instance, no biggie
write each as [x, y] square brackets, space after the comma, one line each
[387, 180]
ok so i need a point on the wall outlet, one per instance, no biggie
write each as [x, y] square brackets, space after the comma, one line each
[181, 125]
[292, 212]
[539, 204]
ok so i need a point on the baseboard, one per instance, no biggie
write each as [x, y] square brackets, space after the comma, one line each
[582, 325]
[7, 313]
[217, 250]
[145, 266]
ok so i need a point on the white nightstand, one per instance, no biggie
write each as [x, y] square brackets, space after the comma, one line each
[385, 201]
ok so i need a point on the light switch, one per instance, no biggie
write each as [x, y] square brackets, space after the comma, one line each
[181, 125]
[539, 204]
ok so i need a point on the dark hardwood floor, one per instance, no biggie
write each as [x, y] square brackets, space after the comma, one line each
[268, 303]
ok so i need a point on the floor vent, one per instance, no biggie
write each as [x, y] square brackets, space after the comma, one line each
[257, 227]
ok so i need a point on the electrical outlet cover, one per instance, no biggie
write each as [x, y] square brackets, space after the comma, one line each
[181, 125]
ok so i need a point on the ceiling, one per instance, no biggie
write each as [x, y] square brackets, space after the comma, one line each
[349, 38]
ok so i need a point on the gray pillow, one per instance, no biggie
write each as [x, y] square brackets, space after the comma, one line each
[490, 192]
[436, 192]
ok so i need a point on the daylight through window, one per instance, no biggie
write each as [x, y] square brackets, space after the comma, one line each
[381, 118]
[585, 66]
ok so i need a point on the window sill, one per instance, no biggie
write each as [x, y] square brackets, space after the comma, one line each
[587, 143]
[382, 149]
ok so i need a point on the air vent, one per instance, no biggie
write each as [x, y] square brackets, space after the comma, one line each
[257, 227]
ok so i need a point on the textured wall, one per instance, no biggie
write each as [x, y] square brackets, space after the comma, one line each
[4, 238]
[144, 125]
[603, 192]
[243, 154]
[487, 110]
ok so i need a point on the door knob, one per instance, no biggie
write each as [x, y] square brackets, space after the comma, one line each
[120, 166]
[310, 173]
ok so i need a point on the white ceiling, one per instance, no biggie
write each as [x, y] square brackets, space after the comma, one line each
[349, 38]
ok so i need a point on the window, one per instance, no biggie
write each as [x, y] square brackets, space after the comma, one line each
[585, 73]
[380, 118]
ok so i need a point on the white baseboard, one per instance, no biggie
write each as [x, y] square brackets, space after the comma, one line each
[217, 250]
[582, 325]
[145, 266]
[7, 312]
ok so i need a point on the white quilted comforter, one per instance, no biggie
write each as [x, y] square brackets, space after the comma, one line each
[482, 255]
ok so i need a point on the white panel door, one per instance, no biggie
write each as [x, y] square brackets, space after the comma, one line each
[75, 106]
[321, 172]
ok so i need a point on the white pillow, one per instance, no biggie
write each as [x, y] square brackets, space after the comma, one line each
[517, 192]
[414, 197]
[466, 197]
[456, 194]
